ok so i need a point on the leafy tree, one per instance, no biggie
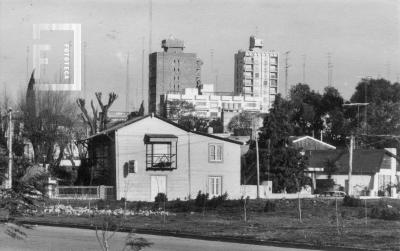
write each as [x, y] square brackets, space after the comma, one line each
[242, 121]
[336, 126]
[176, 109]
[287, 164]
[191, 122]
[306, 116]
[383, 113]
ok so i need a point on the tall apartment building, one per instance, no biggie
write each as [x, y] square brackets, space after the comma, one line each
[171, 70]
[256, 73]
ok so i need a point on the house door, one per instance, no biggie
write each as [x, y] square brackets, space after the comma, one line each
[158, 185]
[215, 186]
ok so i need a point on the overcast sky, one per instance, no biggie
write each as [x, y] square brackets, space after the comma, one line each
[361, 35]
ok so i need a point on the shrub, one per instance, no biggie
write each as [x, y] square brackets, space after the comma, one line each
[160, 198]
[217, 201]
[351, 201]
[180, 206]
[201, 199]
[385, 213]
[270, 206]
[381, 193]
[139, 206]
[102, 204]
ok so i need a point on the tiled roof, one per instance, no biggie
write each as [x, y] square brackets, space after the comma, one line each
[364, 161]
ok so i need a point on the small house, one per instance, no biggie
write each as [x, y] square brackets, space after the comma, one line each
[373, 170]
[149, 155]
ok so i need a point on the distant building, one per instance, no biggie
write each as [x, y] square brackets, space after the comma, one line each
[373, 170]
[208, 104]
[171, 70]
[256, 73]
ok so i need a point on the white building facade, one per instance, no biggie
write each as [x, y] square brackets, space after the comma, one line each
[209, 105]
[256, 73]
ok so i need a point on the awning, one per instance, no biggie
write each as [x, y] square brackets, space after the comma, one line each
[158, 138]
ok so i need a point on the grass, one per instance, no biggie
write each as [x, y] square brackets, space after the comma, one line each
[319, 226]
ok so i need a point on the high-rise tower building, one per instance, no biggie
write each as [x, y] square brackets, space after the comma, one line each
[171, 70]
[256, 73]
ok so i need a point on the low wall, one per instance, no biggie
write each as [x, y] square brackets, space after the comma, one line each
[83, 192]
[266, 192]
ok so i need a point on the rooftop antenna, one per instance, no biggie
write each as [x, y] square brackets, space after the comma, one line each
[304, 68]
[27, 63]
[216, 80]
[143, 69]
[330, 69]
[286, 72]
[150, 23]
[127, 84]
[212, 62]
[388, 66]
[84, 69]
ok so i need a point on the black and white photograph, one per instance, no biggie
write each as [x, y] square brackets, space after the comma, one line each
[220, 125]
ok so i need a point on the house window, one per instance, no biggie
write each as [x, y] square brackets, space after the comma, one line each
[130, 167]
[215, 152]
[215, 186]
[161, 151]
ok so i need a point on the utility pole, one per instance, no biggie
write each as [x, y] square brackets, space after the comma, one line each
[286, 72]
[257, 157]
[258, 168]
[10, 151]
[350, 190]
[269, 158]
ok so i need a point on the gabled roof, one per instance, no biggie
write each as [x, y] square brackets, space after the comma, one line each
[134, 120]
[296, 140]
[364, 161]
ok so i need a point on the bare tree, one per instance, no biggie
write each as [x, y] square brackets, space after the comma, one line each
[98, 120]
[91, 121]
[103, 116]
[50, 124]
[107, 231]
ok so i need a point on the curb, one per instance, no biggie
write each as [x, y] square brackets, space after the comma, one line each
[178, 234]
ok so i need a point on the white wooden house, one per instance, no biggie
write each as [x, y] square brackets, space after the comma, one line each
[150, 155]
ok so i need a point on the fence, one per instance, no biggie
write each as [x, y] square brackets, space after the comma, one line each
[83, 192]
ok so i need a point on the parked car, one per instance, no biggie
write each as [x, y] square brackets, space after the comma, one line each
[332, 194]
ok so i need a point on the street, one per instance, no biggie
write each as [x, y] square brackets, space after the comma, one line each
[57, 238]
